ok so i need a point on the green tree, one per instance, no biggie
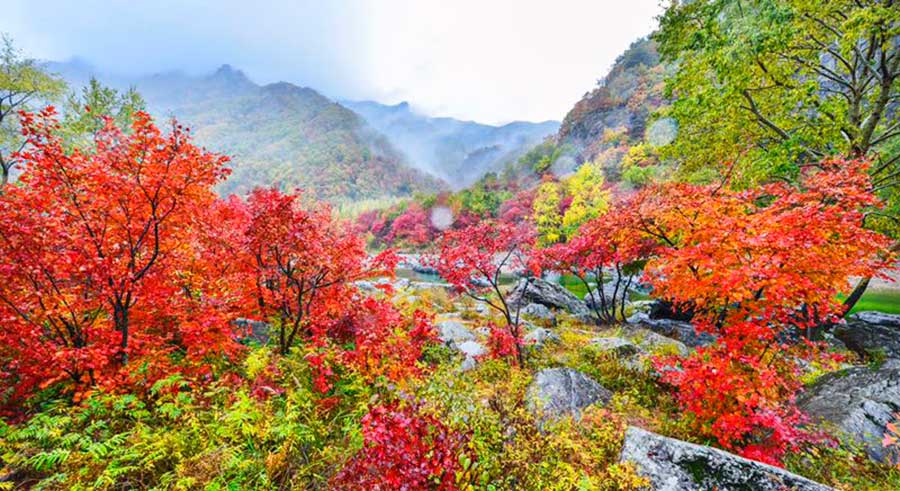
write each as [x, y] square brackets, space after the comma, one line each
[22, 82]
[774, 84]
[771, 86]
[85, 112]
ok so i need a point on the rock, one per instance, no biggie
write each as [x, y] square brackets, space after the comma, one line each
[428, 285]
[866, 333]
[453, 333]
[642, 306]
[540, 336]
[682, 331]
[619, 346]
[665, 310]
[860, 402]
[552, 295]
[257, 331]
[471, 349]
[468, 364]
[558, 392]
[652, 342]
[538, 311]
[416, 263]
[675, 465]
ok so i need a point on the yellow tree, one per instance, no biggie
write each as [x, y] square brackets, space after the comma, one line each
[589, 199]
[547, 216]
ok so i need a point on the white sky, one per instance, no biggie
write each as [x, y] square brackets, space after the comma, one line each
[491, 61]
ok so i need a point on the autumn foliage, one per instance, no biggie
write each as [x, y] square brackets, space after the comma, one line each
[403, 450]
[760, 269]
[473, 259]
[100, 259]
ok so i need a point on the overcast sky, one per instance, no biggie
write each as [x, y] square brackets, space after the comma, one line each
[491, 61]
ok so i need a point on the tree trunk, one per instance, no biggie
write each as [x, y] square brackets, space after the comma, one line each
[856, 294]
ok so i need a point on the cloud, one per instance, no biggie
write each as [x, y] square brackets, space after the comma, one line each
[491, 61]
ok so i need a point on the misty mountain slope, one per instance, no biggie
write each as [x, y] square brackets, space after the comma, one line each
[277, 134]
[459, 152]
[613, 117]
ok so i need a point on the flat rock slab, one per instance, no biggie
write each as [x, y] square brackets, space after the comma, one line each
[675, 465]
[860, 402]
[557, 392]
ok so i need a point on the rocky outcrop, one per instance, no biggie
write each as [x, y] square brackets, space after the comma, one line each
[557, 392]
[682, 331]
[871, 334]
[860, 402]
[552, 295]
[675, 465]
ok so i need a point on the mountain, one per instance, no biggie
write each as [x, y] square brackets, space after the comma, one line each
[612, 118]
[459, 152]
[277, 134]
[612, 124]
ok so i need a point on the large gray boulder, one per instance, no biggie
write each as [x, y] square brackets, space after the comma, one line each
[675, 465]
[558, 392]
[867, 333]
[860, 402]
[552, 295]
[682, 331]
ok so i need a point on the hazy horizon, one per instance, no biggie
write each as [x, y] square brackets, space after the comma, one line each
[493, 64]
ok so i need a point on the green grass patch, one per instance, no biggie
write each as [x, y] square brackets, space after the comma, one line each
[882, 300]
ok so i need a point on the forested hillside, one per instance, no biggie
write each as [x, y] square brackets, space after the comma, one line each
[460, 152]
[277, 134]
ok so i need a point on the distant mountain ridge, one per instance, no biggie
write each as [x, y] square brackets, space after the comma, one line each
[277, 134]
[459, 152]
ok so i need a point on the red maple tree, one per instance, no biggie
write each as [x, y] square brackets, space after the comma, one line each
[93, 248]
[760, 268]
[473, 259]
[304, 263]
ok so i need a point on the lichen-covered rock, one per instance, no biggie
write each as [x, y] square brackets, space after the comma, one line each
[552, 295]
[860, 402]
[540, 336]
[675, 465]
[619, 346]
[538, 311]
[655, 343]
[682, 331]
[453, 333]
[557, 392]
[867, 333]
